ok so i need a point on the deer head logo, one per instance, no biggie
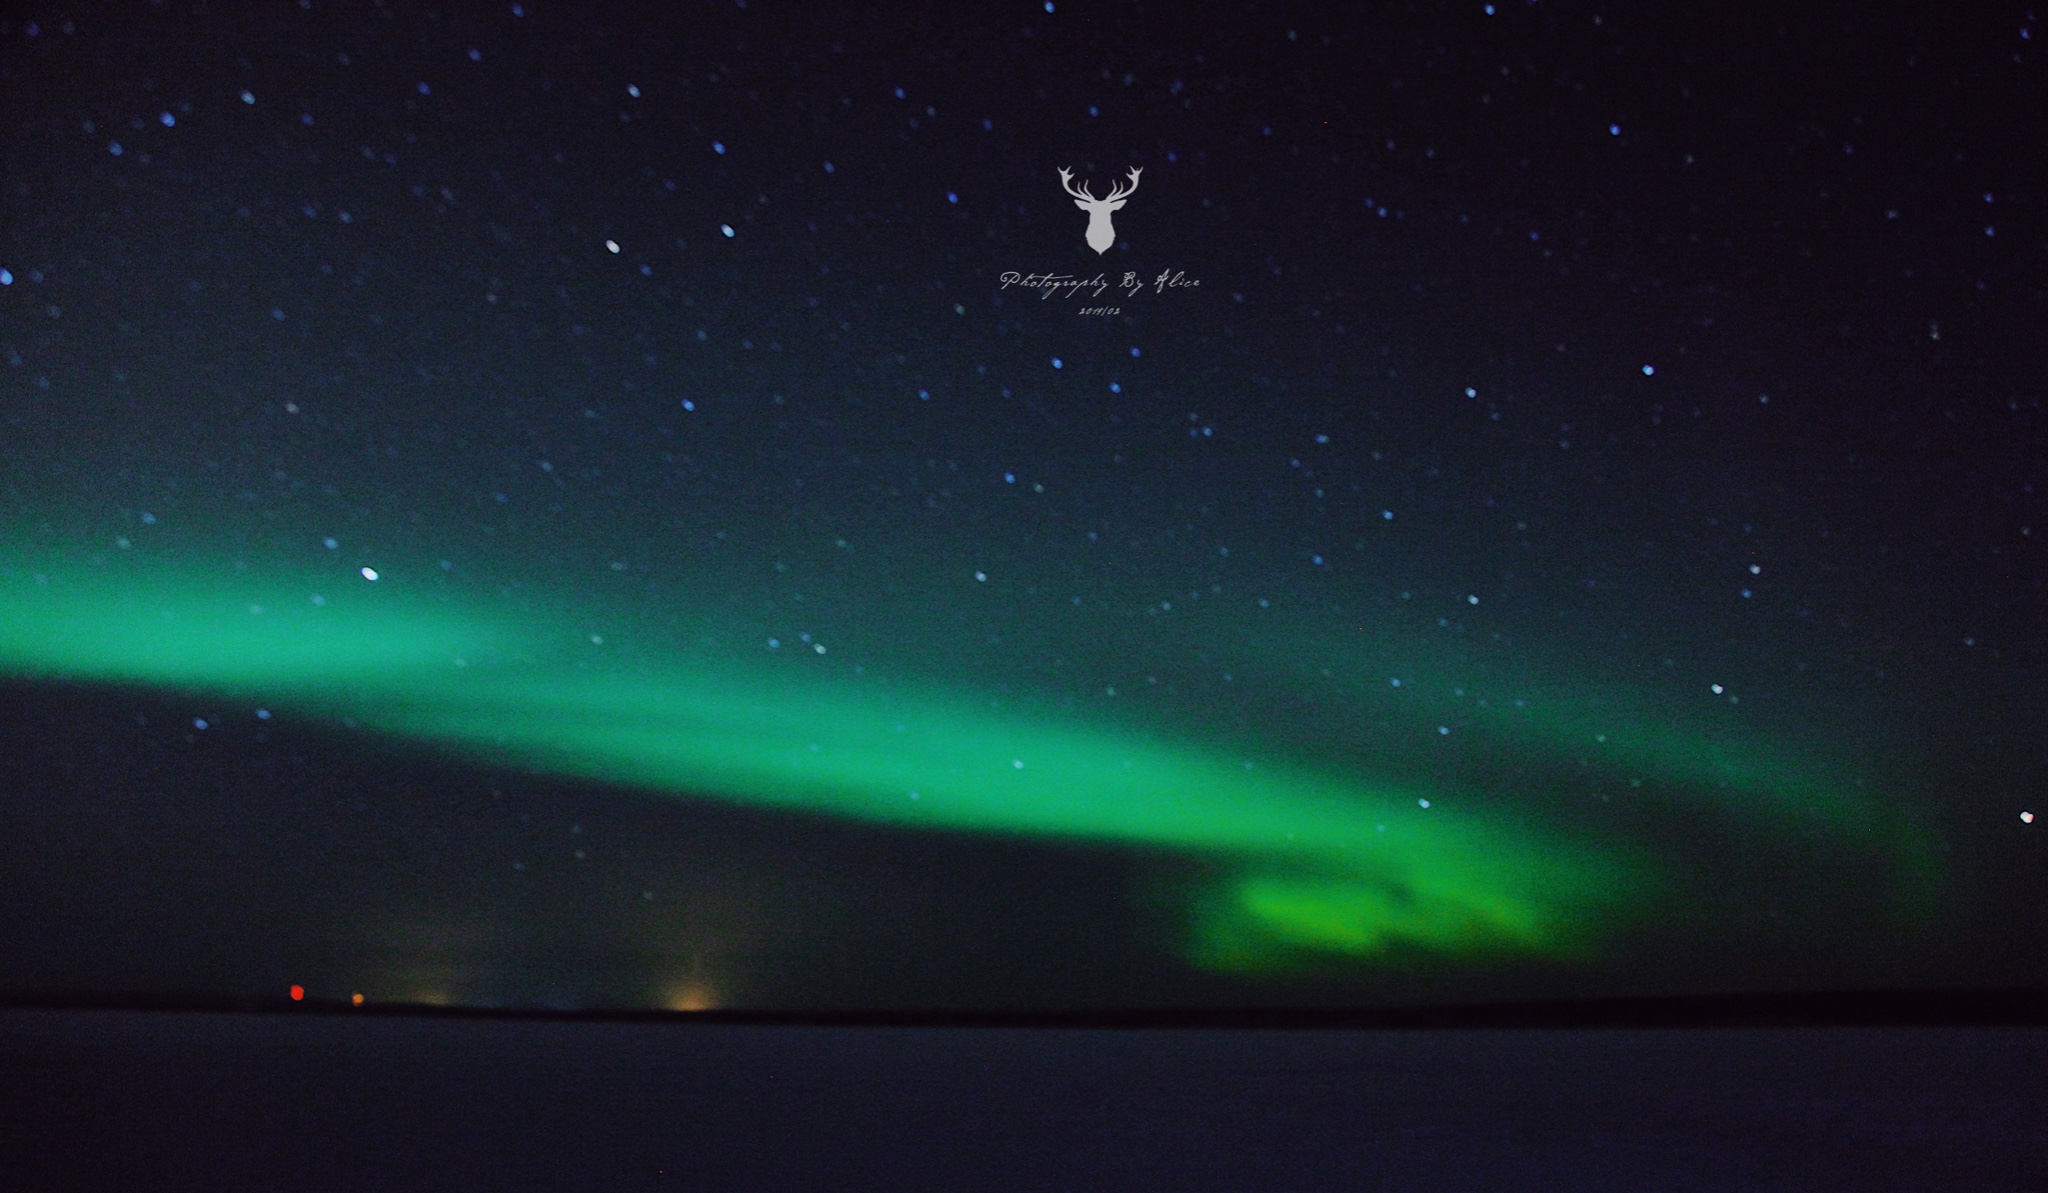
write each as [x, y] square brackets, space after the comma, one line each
[1100, 234]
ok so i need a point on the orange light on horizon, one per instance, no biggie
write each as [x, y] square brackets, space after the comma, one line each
[298, 993]
[356, 998]
[692, 998]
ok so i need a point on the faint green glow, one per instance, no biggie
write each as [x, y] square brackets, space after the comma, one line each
[1311, 859]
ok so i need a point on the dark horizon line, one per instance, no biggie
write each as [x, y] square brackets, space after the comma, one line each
[1968, 1007]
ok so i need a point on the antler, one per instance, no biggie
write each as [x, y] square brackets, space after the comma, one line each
[1119, 191]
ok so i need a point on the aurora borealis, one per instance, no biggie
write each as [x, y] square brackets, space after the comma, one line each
[1322, 858]
[517, 505]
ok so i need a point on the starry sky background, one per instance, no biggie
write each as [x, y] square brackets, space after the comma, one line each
[1583, 357]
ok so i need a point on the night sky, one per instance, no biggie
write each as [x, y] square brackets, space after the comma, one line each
[663, 505]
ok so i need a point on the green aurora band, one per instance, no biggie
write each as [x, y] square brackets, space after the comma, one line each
[1313, 858]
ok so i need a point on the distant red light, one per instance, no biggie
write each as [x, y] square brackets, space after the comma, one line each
[298, 993]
